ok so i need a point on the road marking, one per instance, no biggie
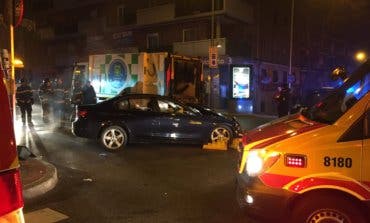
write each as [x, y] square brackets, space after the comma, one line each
[45, 215]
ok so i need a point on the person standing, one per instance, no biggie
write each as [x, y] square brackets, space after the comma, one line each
[282, 96]
[45, 95]
[88, 94]
[25, 101]
[76, 98]
[59, 102]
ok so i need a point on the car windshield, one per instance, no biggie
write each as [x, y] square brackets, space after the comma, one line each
[331, 108]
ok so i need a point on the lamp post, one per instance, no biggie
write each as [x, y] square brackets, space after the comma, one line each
[209, 61]
[360, 56]
[291, 39]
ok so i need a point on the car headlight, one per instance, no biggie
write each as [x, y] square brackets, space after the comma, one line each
[259, 160]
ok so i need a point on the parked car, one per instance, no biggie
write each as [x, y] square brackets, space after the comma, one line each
[11, 200]
[150, 118]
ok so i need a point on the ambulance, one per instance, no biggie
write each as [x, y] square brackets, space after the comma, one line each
[313, 166]
[11, 199]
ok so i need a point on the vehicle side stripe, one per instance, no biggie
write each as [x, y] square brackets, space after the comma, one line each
[367, 183]
[276, 180]
[312, 182]
[352, 187]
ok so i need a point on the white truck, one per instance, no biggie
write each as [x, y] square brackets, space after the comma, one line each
[151, 73]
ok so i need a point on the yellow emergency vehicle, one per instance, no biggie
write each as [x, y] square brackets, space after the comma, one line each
[313, 166]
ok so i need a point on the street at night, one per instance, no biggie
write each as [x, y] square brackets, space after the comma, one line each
[143, 183]
[177, 111]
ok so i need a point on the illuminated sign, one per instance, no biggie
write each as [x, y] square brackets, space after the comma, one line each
[117, 74]
[241, 82]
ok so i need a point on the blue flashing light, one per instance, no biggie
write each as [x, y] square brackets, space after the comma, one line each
[353, 88]
[244, 106]
[359, 89]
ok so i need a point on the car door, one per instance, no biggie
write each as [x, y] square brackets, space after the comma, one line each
[140, 120]
[178, 123]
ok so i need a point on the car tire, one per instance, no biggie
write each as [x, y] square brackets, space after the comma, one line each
[326, 207]
[113, 138]
[221, 133]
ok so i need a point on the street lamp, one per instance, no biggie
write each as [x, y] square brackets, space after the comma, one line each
[360, 56]
[18, 63]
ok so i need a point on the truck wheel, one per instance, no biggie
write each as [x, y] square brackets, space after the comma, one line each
[113, 138]
[326, 208]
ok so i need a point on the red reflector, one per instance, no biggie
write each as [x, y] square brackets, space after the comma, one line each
[318, 105]
[82, 114]
[245, 140]
[295, 161]
[10, 192]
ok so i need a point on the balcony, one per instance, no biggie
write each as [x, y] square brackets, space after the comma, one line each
[234, 9]
[199, 48]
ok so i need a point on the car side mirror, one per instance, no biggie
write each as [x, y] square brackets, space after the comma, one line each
[24, 153]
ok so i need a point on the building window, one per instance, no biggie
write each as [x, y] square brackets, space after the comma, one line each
[285, 77]
[275, 76]
[153, 3]
[189, 35]
[265, 78]
[152, 41]
[120, 15]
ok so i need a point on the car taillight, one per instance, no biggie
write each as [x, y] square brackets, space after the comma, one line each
[82, 113]
[10, 192]
[293, 160]
[260, 160]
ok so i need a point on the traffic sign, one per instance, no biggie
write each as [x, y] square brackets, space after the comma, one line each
[213, 54]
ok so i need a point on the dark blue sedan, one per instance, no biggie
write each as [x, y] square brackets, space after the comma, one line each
[133, 118]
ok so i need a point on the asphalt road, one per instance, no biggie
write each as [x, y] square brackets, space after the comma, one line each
[144, 183]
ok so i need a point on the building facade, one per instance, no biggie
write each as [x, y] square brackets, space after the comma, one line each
[253, 35]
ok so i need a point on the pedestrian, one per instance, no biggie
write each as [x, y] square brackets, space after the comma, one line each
[282, 97]
[25, 101]
[76, 98]
[60, 101]
[46, 96]
[88, 94]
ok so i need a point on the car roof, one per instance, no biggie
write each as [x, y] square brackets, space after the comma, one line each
[134, 95]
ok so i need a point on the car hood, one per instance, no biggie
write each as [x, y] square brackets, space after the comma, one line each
[280, 129]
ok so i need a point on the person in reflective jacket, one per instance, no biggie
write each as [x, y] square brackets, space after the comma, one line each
[88, 94]
[282, 97]
[46, 96]
[60, 101]
[25, 101]
[76, 98]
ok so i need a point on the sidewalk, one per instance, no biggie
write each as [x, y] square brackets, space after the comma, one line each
[37, 175]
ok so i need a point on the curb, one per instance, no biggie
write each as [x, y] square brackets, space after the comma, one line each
[42, 185]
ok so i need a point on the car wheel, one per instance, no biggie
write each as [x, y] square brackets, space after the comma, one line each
[326, 208]
[220, 134]
[113, 138]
